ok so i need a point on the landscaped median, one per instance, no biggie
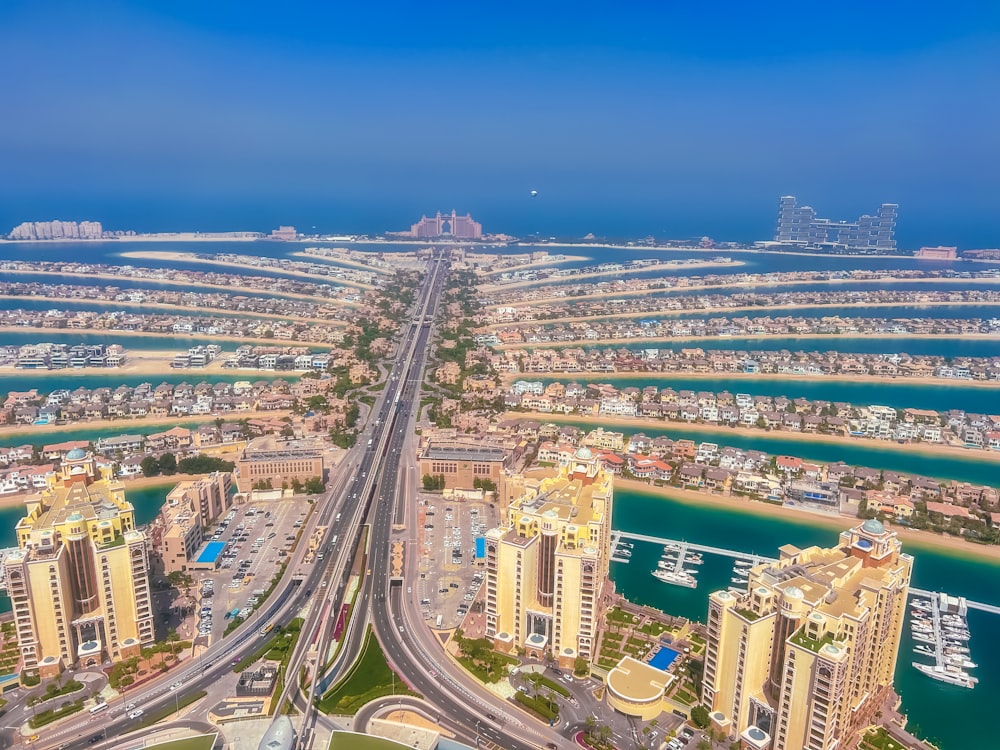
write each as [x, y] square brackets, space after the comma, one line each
[370, 678]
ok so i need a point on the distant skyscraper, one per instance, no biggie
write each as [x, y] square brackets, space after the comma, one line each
[57, 230]
[79, 582]
[546, 569]
[805, 658]
[458, 227]
[799, 225]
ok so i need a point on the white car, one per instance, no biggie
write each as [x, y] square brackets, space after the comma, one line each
[135, 714]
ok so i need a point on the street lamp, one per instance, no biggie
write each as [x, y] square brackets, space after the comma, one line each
[477, 733]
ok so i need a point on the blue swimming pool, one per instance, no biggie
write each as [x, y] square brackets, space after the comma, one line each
[663, 658]
[211, 552]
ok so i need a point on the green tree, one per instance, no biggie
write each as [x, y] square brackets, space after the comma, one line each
[150, 466]
[314, 486]
[168, 464]
[699, 715]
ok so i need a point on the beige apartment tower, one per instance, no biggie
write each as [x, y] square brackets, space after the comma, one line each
[547, 568]
[79, 582]
[805, 658]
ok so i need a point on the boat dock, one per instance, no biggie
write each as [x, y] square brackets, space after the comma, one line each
[617, 536]
[946, 635]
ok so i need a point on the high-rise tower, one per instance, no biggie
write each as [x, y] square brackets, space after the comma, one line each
[79, 582]
[805, 658]
[547, 568]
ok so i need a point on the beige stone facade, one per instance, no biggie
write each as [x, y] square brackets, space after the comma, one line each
[462, 462]
[548, 566]
[79, 582]
[807, 655]
[278, 462]
[178, 531]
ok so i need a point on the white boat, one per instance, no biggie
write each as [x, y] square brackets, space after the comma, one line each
[920, 648]
[630, 545]
[671, 547]
[743, 581]
[697, 561]
[623, 553]
[960, 661]
[666, 564]
[741, 563]
[680, 578]
[921, 604]
[953, 676]
[924, 638]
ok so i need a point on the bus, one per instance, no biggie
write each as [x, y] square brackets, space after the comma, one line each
[98, 708]
[266, 629]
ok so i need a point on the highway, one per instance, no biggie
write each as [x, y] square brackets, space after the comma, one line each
[369, 487]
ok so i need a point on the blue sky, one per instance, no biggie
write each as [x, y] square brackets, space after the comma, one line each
[678, 121]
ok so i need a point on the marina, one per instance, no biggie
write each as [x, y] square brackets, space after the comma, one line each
[939, 625]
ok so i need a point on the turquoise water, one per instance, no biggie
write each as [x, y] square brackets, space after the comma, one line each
[35, 437]
[895, 393]
[51, 380]
[949, 714]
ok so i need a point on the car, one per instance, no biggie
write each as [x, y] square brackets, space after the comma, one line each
[135, 714]
[94, 739]
[453, 585]
[491, 717]
[175, 686]
[551, 746]
[442, 591]
[556, 672]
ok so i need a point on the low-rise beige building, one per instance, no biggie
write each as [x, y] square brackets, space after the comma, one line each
[461, 462]
[79, 581]
[177, 532]
[275, 463]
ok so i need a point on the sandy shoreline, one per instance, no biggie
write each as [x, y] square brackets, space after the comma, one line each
[601, 377]
[142, 362]
[924, 539]
[667, 266]
[631, 426]
[185, 257]
[744, 285]
[336, 260]
[191, 309]
[129, 425]
[534, 264]
[192, 284]
[194, 336]
[765, 311]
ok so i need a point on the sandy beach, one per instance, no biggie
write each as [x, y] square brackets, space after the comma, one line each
[183, 257]
[141, 362]
[206, 338]
[666, 266]
[764, 311]
[744, 285]
[631, 426]
[598, 377]
[192, 309]
[839, 523]
[534, 264]
[252, 291]
[338, 260]
[45, 433]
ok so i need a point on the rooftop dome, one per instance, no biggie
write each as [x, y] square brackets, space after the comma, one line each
[793, 592]
[873, 526]
[76, 454]
[74, 517]
[584, 453]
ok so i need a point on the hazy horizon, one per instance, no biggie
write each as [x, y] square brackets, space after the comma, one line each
[673, 121]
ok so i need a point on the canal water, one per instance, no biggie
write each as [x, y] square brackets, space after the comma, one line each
[951, 715]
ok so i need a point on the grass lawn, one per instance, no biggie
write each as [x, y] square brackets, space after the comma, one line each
[880, 740]
[369, 678]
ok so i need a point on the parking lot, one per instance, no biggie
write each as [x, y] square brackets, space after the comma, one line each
[450, 576]
[258, 538]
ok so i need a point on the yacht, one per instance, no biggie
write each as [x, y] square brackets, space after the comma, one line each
[678, 578]
[671, 547]
[743, 581]
[924, 638]
[949, 674]
[741, 563]
[623, 553]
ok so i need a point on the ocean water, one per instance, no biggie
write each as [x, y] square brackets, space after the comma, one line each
[951, 715]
